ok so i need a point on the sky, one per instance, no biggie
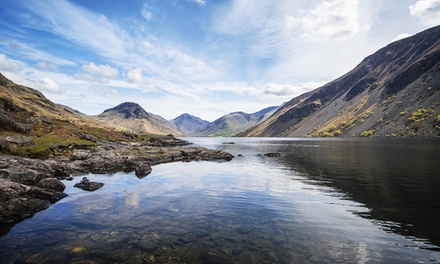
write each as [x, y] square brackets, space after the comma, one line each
[202, 57]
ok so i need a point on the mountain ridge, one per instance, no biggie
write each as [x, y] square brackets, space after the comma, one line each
[393, 92]
[235, 122]
[188, 124]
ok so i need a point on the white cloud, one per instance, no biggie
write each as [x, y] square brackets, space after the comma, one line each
[97, 73]
[8, 64]
[338, 19]
[46, 66]
[135, 75]
[428, 11]
[147, 12]
[80, 25]
[200, 2]
[100, 70]
[47, 84]
[290, 90]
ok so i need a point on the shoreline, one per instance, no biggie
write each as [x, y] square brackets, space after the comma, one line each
[31, 185]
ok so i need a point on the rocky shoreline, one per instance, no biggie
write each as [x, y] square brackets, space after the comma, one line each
[31, 185]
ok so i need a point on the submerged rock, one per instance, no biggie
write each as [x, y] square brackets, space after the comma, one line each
[272, 154]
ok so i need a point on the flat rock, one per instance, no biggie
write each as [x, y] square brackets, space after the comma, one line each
[20, 141]
[87, 185]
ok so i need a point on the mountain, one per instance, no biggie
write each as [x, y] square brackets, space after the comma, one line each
[234, 123]
[188, 124]
[393, 92]
[33, 126]
[131, 116]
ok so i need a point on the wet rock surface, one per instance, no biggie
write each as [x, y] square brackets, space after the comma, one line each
[30, 185]
[87, 185]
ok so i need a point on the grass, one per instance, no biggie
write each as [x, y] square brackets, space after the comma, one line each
[367, 133]
[420, 115]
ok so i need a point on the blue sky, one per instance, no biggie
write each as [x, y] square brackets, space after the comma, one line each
[203, 57]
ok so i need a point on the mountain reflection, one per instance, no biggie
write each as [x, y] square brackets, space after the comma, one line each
[398, 180]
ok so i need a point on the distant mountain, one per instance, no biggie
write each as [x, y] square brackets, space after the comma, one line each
[188, 124]
[131, 116]
[393, 92]
[234, 123]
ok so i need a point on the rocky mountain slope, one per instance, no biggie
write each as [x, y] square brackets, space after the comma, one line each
[131, 116]
[393, 92]
[33, 126]
[188, 124]
[234, 123]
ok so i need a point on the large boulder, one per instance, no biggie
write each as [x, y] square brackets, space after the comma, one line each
[52, 184]
[19, 201]
[28, 177]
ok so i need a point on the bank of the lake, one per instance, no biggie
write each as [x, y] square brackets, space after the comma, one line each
[320, 201]
[30, 185]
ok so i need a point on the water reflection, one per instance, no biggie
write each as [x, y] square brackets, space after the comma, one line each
[398, 180]
[302, 207]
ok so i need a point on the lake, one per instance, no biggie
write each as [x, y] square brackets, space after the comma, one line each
[322, 201]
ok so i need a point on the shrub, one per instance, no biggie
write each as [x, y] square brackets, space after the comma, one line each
[367, 133]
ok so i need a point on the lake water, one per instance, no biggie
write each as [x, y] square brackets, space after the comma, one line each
[321, 201]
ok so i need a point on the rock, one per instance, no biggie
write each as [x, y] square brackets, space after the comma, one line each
[3, 144]
[87, 185]
[80, 154]
[20, 141]
[89, 137]
[52, 184]
[45, 119]
[19, 201]
[272, 154]
[143, 170]
[210, 154]
[25, 177]
[9, 123]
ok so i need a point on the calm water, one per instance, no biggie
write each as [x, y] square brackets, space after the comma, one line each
[322, 201]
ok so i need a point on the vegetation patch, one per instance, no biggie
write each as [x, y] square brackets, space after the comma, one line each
[420, 115]
[367, 133]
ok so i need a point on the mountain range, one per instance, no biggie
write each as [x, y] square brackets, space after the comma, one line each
[234, 123]
[393, 92]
